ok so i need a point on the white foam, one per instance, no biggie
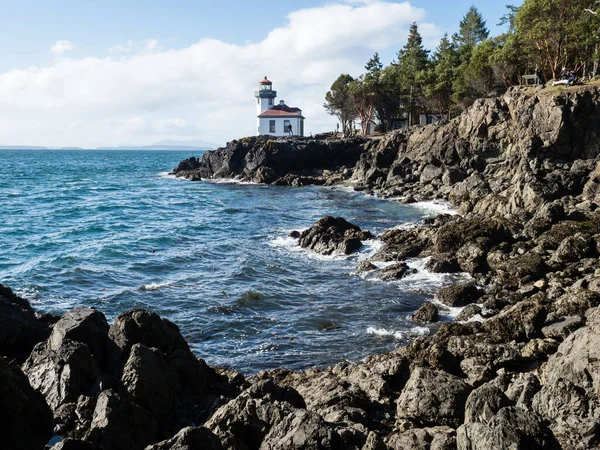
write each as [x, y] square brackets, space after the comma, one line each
[228, 181]
[167, 175]
[153, 286]
[435, 208]
[403, 334]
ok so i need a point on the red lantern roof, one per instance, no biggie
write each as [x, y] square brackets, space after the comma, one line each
[265, 81]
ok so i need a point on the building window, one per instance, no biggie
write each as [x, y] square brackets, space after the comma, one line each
[286, 126]
[258, 101]
[271, 126]
[270, 101]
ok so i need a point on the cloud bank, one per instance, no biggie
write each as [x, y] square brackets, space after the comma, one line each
[140, 92]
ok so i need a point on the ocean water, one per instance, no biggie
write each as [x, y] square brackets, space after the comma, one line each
[110, 229]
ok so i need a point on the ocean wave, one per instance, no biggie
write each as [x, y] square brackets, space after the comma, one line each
[153, 286]
[435, 208]
[399, 334]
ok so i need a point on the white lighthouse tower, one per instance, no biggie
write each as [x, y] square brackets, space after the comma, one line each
[276, 120]
[265, 97]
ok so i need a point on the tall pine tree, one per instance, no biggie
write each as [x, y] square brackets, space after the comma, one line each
[472, 30]
[412, 63]
[438, 88]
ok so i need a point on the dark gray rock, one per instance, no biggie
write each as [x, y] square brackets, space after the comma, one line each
[331, 235]
[468, 312]
[75, 444]
[433, 397]
[365, 266]
[434, 438]
[442, 263]
[20, 329]
[302, 430]
[395, 271]
[26, 418]
[561, 328]
[190, 438]
[427, 313]
[84, 325]
[460, 294]
[61, 374]
[119, 424]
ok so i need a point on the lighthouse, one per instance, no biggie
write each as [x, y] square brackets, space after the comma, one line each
[276, 120]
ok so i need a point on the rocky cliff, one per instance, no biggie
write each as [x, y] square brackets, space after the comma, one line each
[523, 170]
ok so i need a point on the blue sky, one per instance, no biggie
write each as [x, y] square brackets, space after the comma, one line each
[92, 73]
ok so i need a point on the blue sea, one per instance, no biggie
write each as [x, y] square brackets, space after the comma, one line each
[112, 230]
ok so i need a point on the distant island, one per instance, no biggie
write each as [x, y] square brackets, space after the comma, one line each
[167, 144]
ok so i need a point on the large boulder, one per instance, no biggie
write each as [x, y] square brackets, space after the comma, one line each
[434, 438]
[460, 294]
[569, 397]
[190, 438]
[333, 235]
[120, 424]
[512, 428]
[484, 403]
[427, 313]
[20, 329]
[245, 420]
[62, 374]
[433, 397]
[25, 416]
[302, 430]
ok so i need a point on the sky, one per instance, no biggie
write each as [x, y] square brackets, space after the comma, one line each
[92, 73]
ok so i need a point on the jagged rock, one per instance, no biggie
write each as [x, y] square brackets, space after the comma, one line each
[61, 375]
[468, 312]
[190, 438]
[435, 438]
[250, 416]
[512, 428]
[302, 430]
[119, 424]
[519, 322]
[75, 444]
[573, 248]
[333, 235]
[571, 382]
[85, 325]
[150, 380]
[433, 397]
[484, 403]
[20, 329]
[427, 313]
[365, 266]
[26, 418]
[442, 263]
[563, 327]
[460, 294]
[396, 271]
[522, 390]
[138, 326]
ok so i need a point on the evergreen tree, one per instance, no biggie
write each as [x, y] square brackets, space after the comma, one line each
[472, 30]
[339, 101]
[440, 77]
[412, 64]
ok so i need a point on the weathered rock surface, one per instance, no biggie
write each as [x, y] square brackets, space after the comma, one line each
[333, 235]
[20, 329]
[25, 416]
[427, 313]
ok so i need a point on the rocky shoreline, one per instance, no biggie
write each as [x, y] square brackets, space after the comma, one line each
[524, 172]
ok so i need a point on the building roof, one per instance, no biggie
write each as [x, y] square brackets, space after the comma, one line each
[265, 81]
[282, 111]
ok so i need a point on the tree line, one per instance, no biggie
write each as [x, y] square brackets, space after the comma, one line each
[544, 34]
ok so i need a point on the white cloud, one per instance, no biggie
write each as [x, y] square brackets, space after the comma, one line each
[140, 92]
[61, 47]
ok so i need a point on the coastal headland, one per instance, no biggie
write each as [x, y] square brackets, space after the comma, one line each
[518, 369]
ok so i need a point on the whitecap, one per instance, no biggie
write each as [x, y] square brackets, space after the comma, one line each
[399, 334]
[166, 175]
[435, 208]
[153, 286]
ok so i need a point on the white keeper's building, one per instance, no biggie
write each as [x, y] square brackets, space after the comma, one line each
[276, 120]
